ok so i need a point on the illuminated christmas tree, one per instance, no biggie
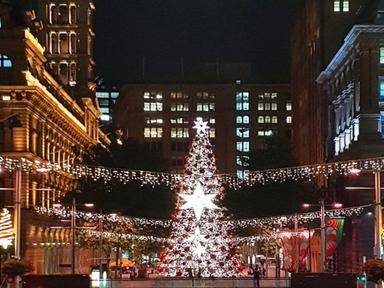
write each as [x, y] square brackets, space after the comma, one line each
[6, 229]
[201, 239]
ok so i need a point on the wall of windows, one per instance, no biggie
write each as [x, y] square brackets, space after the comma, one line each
[179, 120]
[153, 120]
[206, 107]
[153, 101]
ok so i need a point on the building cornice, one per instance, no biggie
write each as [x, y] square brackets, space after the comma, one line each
[343, 52]
[32, 81]
[35, 43]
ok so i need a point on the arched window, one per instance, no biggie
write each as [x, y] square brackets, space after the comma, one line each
[5, 62]
[63, 72]
[260, 119]
[274, 119]
[73, 43]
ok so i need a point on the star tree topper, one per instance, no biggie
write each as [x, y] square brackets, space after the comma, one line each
[200, 126]
[198, 201]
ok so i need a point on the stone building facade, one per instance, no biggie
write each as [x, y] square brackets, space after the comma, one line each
[40, 121]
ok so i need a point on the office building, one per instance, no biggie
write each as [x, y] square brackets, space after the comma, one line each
[241, 117]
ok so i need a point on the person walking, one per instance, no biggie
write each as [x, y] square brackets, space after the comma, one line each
[256, 276]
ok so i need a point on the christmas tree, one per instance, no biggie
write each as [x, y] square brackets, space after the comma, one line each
[200, 243]
[6, 229]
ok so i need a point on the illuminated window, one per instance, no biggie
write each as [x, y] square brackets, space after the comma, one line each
[0, 23]
[260, 133]
[336, 6]
[153, 132]
[268, 133]
[178, 95]
[242, 101]
[274, 119]
[242, 146]
[289, 106]
[260, 119]
[5, 62]
[242, 132]
[148, 120]
[242, 160]
[212, 133]
[381, 55]
[6, 97]
[260, 96]
[179, 120]
[153, 106]
[267, 106]
[212, 121]
[274, 95]
[205, 107]
[242, 173]
[153, 95]
[179, 132]
[260, 106]
[345, 6]
[289, 119]
[242, 119]
[274, 106]
[179, 107]
[267, 119]
[381, 96]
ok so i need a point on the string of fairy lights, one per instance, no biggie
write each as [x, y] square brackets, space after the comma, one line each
[281, 220]
[274, 221]
[107, 174]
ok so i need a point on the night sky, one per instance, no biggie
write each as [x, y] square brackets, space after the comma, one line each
[162, 32]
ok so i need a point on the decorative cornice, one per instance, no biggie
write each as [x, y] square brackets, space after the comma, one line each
[29, 37]
[347, 46]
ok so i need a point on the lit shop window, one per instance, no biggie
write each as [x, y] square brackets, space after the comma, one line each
[179, 107]
[242, 132]
[289, 119]
[242, 146]
[242, 119]
[289, 106]
[179, 132]
[148, 120]
[242, 101]
[153, 132]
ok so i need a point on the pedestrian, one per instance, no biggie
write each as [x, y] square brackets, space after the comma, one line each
[256, 276]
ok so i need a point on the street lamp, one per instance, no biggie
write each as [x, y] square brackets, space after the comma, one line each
[378, 210]
[322, 206]
[73, 228]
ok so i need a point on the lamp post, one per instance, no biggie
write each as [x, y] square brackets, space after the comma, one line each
[73, 230]
[323, 229]
[378, 215]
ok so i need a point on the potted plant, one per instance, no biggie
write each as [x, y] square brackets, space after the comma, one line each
[13, 268]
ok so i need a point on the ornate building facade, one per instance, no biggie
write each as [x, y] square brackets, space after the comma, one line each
[40, 120]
